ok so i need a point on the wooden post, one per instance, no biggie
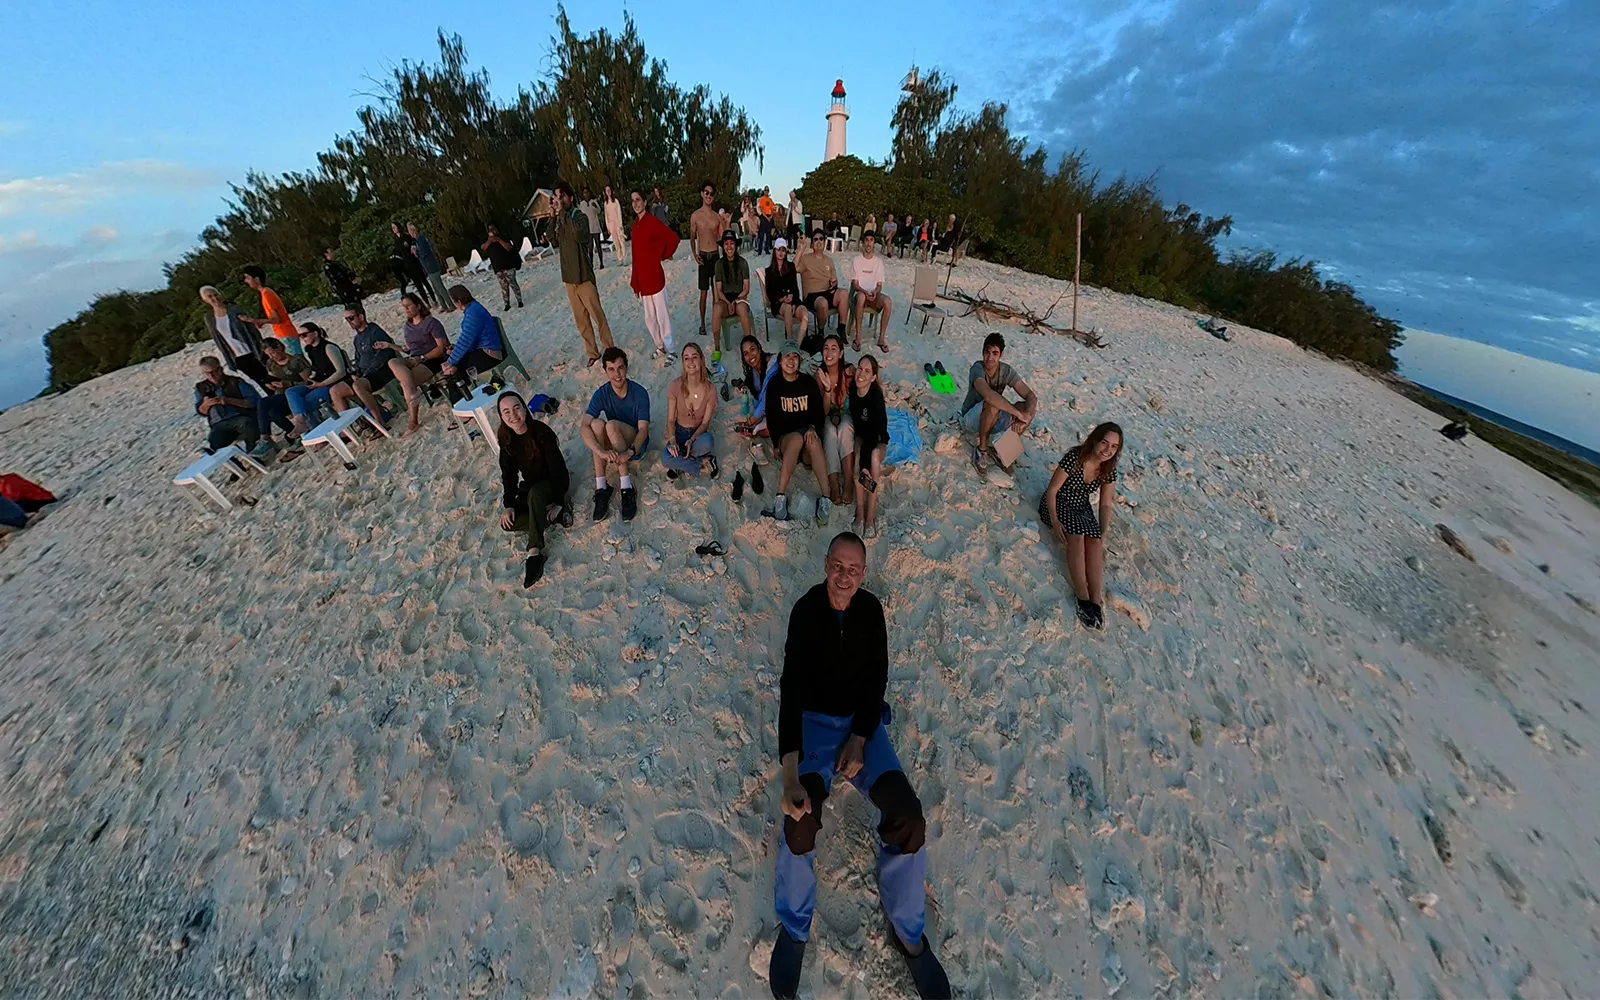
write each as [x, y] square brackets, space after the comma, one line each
[1077, 273]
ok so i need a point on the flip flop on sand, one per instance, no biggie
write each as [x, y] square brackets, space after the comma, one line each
[738, 486]
[711, 548]
[980, 461]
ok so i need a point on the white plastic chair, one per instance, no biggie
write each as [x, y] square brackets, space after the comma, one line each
[924, 298]
[336, 429]
[199, 471]
[477, 264]
[477, 407]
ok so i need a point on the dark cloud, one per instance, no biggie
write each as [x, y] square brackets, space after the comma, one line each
[1438, 155]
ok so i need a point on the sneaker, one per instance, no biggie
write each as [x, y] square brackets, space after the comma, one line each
[824, 507]
[673, 473]
[926, 972]
[783, 970]
[738, 487]
[1097, 617]
[262, 449]
[1085, 615]
[602, 503]
[980, 461]
[780, 509]
[630, 503]
[716, 356]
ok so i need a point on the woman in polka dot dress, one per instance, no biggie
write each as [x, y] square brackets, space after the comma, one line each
[1065, 509]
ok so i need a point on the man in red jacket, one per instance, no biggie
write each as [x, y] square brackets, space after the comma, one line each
[653, 243]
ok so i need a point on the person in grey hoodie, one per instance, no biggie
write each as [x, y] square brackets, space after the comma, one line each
[423, 248]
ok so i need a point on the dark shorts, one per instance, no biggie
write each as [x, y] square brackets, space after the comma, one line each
[378, 378]
[708, 267]
[478, 360]
[810, 301]
[775, 309]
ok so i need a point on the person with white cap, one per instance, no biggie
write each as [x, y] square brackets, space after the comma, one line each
[783, 293]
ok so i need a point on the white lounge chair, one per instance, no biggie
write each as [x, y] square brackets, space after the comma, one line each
[201, 469]
[334, 430]
[477, 265]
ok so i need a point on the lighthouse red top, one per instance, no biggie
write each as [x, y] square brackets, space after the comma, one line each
[838, 90]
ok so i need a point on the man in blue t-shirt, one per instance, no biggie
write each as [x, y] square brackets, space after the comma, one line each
[616, 429]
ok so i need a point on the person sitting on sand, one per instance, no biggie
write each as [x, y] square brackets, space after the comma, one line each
[691, 401]
[730, 288]
[783, 293]
[869, 415]
[838, 433]
[373, 352]
[616, 430]
[478, 345]
[760, 368]
[833, 722]
[228, 403]
[819, 285]
[1065, 509]
[986, 409]
[794, 418]
[866, 287]
[534, 475]
[329, 371]
[427, 345]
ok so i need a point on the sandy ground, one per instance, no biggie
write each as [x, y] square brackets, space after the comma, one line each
[328, 746]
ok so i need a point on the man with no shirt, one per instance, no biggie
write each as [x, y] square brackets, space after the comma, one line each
[705, 233]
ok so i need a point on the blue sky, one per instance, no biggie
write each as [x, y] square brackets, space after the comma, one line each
[1441, 155]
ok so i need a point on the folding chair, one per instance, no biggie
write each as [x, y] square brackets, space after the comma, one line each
[924, 298]
[511, 360]
[855, 237]
[451, 267]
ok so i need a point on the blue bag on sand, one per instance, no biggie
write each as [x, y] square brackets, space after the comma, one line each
[905, 439]
[543, 404]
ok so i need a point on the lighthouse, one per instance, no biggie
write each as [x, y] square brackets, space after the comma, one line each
[838, 114]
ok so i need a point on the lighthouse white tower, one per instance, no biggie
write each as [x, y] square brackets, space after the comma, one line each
[838, 114]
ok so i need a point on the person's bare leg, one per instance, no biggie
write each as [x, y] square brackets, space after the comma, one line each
[744, 317]
[591, 442]
[621, 437]
[703, 312]
[822, 312]
[986, 421]
[847, 462]
[1094, 564]
[855, 322]
[339, 397]
[885, 308]
[369, 401]
[403, 374]
[1075, 567]
[835, 489]
[718, 314]
[805, 323]
[818, 459]
[841, 304]
[790, 447]
[868, 499]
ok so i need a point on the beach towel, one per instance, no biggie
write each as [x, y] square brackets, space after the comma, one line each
[905, 439]
[29, 496]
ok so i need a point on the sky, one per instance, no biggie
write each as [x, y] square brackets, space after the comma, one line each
[1442, 156]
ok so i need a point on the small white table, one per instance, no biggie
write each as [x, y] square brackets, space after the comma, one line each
[477, 407]
[201, 469]
[334, 430]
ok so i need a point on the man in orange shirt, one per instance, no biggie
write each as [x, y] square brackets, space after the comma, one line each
[277, 317]
[766, 209]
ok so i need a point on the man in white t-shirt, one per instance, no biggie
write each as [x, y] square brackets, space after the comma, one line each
[866, 287]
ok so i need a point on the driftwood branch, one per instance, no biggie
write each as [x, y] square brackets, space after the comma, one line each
[986, 309]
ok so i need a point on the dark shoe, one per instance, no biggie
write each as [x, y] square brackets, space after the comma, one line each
[630, 503]
[926, 972]
[602, 503]
[755, 480]
[716, 467]
[1097, 616]
[738, 487]
[783, 971]
[673, 473]
[1085, 615]
[533, 571]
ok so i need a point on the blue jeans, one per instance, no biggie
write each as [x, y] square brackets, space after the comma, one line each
[901, 872]
[690, 462]
[303, 401]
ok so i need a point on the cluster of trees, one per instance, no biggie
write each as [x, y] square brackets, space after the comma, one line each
[1018, 211]
[438, 149]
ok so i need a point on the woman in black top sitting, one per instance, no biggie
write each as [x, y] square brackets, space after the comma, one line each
[870, 416]
[535, 477]
[1065, 510]
[783, 293]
